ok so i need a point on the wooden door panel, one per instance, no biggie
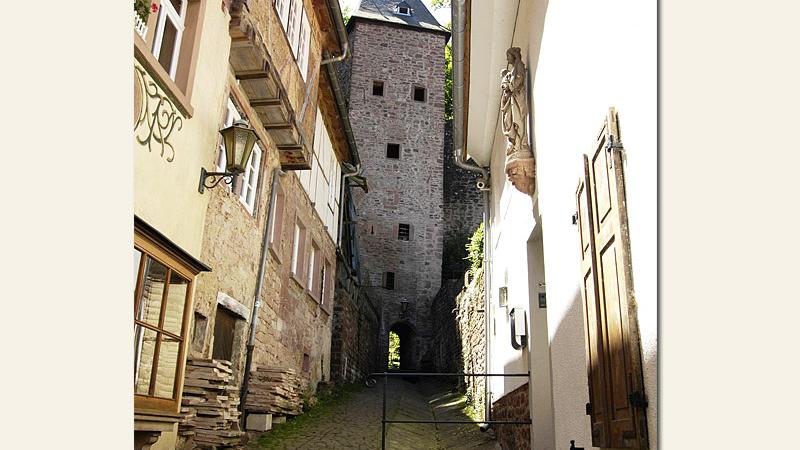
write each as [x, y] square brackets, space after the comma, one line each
[612, 341]
[601, 189]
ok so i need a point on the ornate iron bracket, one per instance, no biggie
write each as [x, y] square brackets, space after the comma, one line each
[216, 178]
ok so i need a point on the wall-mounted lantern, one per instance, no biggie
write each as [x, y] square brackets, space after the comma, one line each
[238, 140]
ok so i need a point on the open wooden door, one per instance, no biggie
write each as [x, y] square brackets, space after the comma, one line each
[616, 386]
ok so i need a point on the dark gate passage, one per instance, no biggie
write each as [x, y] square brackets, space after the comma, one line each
[407, 346]
[371, 381]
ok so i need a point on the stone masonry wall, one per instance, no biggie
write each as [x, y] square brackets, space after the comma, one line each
[356, 328]
[292, 323]
[513, 406]
[463, 210]
[405, 190]
[460, 340]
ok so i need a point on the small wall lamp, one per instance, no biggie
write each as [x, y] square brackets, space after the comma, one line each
[238, 140]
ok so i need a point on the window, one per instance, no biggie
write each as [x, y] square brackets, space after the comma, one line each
[313, 265]
[298, 31]
[282, 6]
[403, 232]
[388, 280]
[377, 88]
[298, 244]
[303, 43]
[325, 288]
[393, 151]
[419, 93]
[276, 229]
[403, 10]
[306, 363]
[169, 31]
[613, 356]
[250, 179]
[162, 305]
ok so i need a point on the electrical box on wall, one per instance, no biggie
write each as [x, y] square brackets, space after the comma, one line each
[504, 296]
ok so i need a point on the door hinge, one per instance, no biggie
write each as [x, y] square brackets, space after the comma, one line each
[588, 409]
[638, 399]
[613, 143]
[575, 218]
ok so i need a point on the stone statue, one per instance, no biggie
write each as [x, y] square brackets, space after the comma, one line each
[520, 164]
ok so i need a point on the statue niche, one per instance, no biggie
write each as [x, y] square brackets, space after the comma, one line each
[520, 163]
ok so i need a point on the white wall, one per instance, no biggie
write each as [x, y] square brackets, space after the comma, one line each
[593, 55]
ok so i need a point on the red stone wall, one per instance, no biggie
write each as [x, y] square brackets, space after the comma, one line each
[513, 406]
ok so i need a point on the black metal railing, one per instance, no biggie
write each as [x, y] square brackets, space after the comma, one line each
[371, 382]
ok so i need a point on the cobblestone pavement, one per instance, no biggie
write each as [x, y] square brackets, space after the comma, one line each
[355, 423]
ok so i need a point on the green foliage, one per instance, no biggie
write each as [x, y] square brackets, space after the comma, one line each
[448, 82]
[347, 11]
[475, 250]
[394, 350]
[142, 8]
[439, 4]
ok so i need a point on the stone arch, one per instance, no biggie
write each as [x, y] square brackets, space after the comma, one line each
[407, 333]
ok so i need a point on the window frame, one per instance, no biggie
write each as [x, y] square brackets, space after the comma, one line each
[166, 11]
[398, 11]
[150, 249]
[297, 266]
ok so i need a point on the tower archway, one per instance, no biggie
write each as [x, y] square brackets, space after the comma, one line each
[402, 346]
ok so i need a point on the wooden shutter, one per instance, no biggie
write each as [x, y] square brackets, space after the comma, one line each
[616, 387]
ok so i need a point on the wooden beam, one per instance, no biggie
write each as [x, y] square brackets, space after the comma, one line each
[279, 126]
[266, 102]
[253, 74]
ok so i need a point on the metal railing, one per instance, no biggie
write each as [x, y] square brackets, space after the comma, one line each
[371, 381]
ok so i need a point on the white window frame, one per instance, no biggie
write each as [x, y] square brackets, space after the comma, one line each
[407, 13]
[282, 6]
[312, 267]
[304, 41]
[295, 21]
[178, 19]
[295, 248]
[250, 179]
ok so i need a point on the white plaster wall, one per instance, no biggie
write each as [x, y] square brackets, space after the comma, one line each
[587, 57]
[595, 55]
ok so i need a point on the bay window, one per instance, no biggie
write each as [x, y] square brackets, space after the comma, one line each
[162, 301]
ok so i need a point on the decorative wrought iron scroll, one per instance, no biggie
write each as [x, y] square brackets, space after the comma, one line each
[158, 116]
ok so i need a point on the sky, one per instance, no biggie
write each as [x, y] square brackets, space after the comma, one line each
[442, 15]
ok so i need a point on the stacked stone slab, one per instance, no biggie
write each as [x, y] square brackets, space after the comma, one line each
[210, 405]
[274, 390]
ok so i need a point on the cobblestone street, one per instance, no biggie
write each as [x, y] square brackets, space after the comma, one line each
[355, 422]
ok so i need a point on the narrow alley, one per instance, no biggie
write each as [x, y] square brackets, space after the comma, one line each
[354, 421]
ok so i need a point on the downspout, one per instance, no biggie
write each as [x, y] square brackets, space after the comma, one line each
[458, 24]
[336, 13]
[262, 268]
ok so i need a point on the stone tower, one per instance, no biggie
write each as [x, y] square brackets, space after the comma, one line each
[395, 85]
